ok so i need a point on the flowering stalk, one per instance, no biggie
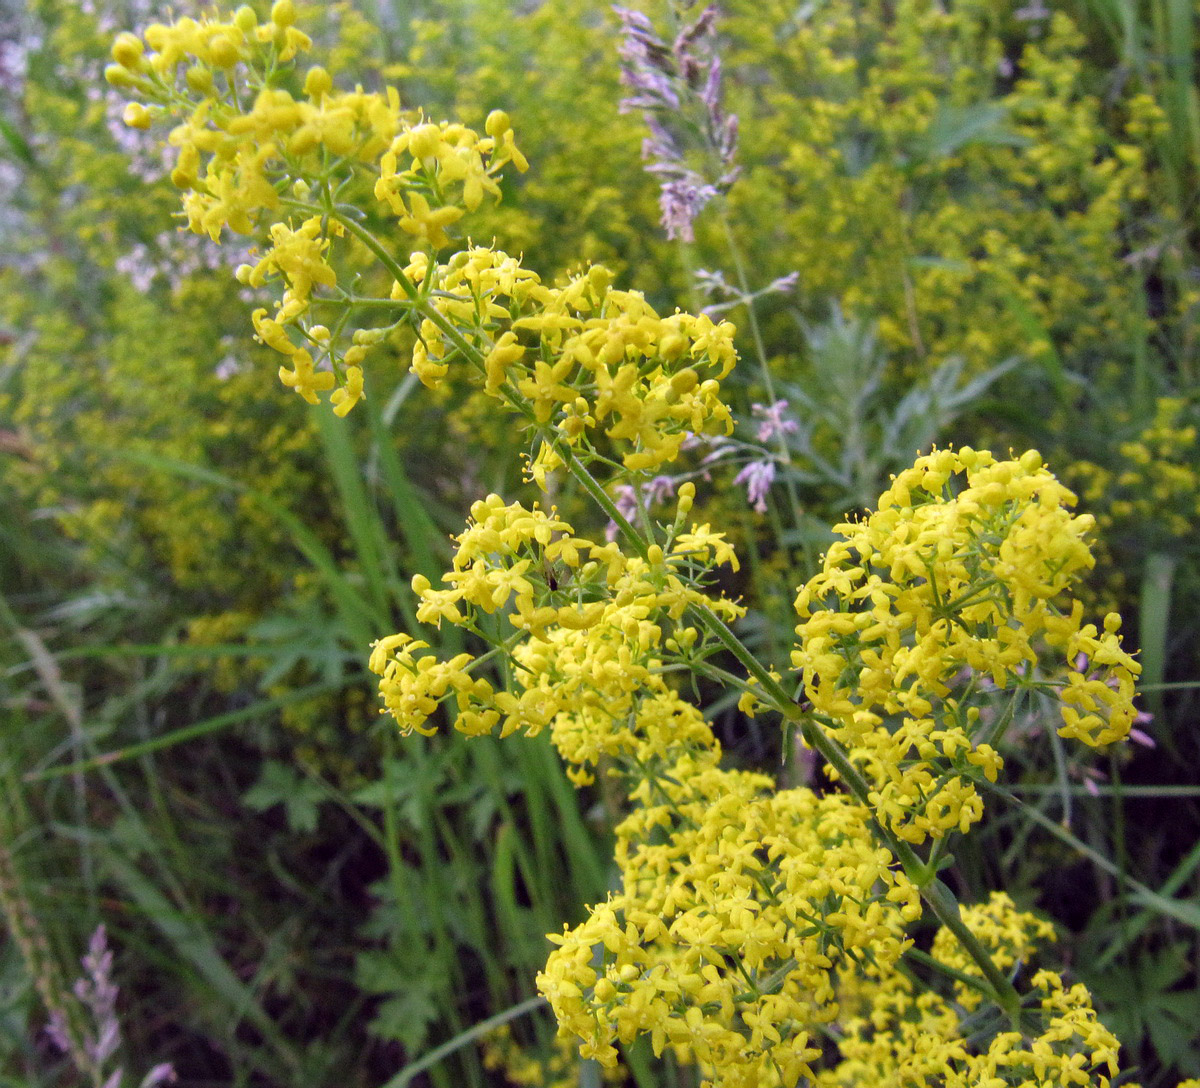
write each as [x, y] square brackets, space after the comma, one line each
[741, 909]
[679, 90]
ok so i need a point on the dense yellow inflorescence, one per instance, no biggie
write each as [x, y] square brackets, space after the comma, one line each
[938, 592]
[1156, 489]
[899, 1036]
[739, 906]
[754, 931]
[249, 151]
[588, 628]
[581, 356]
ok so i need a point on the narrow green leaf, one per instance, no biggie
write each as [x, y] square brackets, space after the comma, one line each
[1153, 616]
[18, 143]
[362, 519]
[1027, 321]
[410, 1071]
[192, 943]
[422, 537]
[189, 732]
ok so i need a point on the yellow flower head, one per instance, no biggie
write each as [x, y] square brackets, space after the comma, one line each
[959, 578]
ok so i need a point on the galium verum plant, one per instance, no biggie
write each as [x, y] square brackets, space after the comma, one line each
[763, 935]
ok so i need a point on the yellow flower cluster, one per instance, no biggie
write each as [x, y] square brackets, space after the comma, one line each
[900, 1037]
[936, 593]
[445, 154]
[238, 163]
[238, 134]
[526, 1068]
[744, 914]
[589, 628]
[1156, 489]
[1010, 935]
[580, 356]
[932, 169]
[739, 906]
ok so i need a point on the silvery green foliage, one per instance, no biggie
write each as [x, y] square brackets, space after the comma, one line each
[852, 432]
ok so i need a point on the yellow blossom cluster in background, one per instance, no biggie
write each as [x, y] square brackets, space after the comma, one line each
[526, 1068]
[948, 169]
[1157, 487]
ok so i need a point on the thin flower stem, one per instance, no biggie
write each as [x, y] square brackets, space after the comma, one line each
[739, 269]
[407, 286]
[949, 972]
[941, 900]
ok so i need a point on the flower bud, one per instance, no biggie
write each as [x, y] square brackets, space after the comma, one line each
[199, 79]
[223, 51]
[423, 141]
[317, 82]
[245, 19]
[497, 124]
[156, 36]
[116, 75]
[283, 13]
[136, 115]
[127, 50]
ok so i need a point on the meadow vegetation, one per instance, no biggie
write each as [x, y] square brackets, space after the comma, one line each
[550, 544]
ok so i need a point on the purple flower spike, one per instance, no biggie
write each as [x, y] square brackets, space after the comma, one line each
[681, 202]
[668, 84]
[757, 477]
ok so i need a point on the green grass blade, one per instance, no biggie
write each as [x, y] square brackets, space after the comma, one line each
[193, 945]
[426, 543]
[1181, 910]
[362, 519]
[410, 1071]
[189, 732]
[1153, 616]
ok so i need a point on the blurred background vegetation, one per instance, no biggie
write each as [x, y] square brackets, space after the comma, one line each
[989, 207]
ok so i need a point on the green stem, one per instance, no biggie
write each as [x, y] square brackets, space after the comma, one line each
[950, 972]
[943, 904]
[739, 269]
[408, 287]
